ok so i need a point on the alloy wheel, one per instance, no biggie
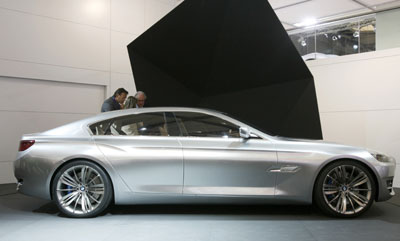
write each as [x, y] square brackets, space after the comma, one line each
[347, 190]
[80, 190]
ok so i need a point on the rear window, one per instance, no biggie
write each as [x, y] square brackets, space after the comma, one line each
[146, 124]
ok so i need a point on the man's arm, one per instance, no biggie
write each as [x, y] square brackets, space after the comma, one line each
[106, 107]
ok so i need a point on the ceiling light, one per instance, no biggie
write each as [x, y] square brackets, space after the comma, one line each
[303, 43]
[334, 38]
[356, 34]
[306, 22]
[355, 46]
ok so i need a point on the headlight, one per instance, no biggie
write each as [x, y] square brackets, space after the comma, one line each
[381, 157]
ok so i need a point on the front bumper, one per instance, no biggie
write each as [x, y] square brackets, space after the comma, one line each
[386, 173]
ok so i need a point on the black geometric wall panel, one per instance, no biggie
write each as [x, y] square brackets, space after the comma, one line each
[230, 55]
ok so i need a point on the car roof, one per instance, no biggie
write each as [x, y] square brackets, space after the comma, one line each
[112, 114]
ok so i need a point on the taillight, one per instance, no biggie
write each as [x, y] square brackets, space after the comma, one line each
[24, 145]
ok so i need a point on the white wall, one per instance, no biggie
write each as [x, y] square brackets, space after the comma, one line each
[359, 100]
[60, 59]
[388, 29]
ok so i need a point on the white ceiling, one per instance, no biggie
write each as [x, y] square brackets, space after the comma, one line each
[291, 12]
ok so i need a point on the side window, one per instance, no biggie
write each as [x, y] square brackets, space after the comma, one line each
[146, 124]
[203, 125]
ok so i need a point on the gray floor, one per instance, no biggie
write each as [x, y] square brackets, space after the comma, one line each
[25, 218]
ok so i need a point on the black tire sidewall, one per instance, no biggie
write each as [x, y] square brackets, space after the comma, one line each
[108, 190]
[319, 196]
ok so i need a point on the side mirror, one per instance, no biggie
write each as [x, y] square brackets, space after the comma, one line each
[244, 132]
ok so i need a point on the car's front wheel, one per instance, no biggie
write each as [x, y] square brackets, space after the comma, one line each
[344, 189]
[81, 189]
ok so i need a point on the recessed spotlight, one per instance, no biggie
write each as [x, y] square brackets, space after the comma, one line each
[334, 38]
[356, 34]
[355, 46]
[303, 43]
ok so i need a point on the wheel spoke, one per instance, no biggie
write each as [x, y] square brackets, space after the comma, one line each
[83, 174]
[351, 203]
[65, 190]
[359, 199]
[343, 173]
[361, 189]
[68, 180]
[333, 179]
[338, 174]
[352, 173]
[344, 203]
[89, 172]
[69, 198]
[91, 197]
[96, 188]
[97, 192]
[83, 204]
[88, 203]
[360, 182]
[76, 203]
[338, 203]
[330, 189]
[93, 179]
[359, 177]
[337, 196]
[100, 185]
[76, 176]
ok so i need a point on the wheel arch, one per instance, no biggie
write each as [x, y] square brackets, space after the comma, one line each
[374, 175]
[81, 159]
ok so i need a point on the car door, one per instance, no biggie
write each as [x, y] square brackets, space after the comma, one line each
[218, 162]
[142, 151]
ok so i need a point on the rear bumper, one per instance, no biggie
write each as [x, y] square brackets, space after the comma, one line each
[32, 176]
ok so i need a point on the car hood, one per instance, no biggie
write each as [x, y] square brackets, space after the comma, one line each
[320, 143]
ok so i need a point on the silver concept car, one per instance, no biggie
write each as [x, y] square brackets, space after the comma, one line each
[188, 155]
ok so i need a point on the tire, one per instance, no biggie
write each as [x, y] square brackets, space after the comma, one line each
[79, 197]
[345, 189]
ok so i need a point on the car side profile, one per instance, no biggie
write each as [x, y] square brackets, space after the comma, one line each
[190, 155]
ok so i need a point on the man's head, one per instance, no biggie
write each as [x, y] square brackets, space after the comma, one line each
[140, 97]
[120, 95]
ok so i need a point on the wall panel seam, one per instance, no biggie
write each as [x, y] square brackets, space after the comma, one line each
[346, 111]
[116, 72]
[50, 112]
[55, 65]
[124, 32]
[354, 60]
[53, 18]
[69, 21]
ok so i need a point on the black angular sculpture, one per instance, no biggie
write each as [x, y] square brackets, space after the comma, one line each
[230, 55]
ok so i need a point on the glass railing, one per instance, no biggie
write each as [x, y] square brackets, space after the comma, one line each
[350, 36]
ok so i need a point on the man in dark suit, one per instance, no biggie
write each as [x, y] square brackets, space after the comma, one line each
[115, 102]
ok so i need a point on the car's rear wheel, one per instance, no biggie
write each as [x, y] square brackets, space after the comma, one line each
[345, 189]
[81, 189]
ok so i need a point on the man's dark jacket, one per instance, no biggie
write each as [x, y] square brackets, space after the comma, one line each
[110, 104]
